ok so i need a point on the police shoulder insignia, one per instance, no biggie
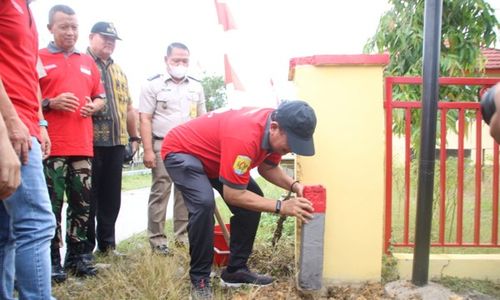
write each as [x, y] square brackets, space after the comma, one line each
[195, 79]
[241, 164]
[154, 77]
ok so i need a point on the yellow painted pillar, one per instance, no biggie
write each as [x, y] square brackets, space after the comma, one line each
[346, 91]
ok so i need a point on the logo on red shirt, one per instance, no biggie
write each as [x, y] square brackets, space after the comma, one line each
[241, 164]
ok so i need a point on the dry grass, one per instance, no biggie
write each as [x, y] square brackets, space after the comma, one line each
[141, 275]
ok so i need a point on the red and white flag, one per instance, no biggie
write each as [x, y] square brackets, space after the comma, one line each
[225, 18]
[224, 15]
[246, 82]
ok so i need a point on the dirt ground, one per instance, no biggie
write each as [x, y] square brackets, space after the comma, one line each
[287, 290]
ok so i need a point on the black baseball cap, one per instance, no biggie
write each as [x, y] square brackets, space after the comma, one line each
[488, 104]
[105, 28]
[298, 120]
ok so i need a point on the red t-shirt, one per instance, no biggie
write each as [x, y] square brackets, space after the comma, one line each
[70, 133]
[229, 144]
[18, 56]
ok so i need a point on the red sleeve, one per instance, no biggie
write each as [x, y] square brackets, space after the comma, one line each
[236, 161]
[273, 159]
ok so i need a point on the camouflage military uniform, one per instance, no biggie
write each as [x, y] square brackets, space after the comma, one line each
[70, 175]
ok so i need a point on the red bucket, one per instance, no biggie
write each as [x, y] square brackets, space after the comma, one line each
[221, 248]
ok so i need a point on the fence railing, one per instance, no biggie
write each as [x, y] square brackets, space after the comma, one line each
[465, 205]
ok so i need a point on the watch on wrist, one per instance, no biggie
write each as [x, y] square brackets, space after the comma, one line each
[134, 139]
[43, 123]
[46, 104]
[278, 207]
[294, 183]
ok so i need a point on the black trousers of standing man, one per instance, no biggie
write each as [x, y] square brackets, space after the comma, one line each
[105, 197]
[188, 175]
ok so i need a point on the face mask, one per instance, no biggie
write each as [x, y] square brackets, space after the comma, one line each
[177, 71]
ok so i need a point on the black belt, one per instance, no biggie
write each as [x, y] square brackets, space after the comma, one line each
[157, 138]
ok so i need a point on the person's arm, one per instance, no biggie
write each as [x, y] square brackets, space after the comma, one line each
[201, 108]
[45, 142]
[147, 139]
[132, 126]
[277, 176]
[65, 101]
[147, 106]
[97, 100]
[10, 166]
[298, 207]
[19, 134]
[44, 135]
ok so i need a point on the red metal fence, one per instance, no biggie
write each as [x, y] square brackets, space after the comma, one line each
[476, 201]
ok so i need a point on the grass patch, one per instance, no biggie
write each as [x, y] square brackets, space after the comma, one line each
[133, 182]
[461, 286]
[452, 194]
[389, 269]
[141, 275]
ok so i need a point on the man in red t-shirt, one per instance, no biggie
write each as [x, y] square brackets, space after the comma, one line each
[71, 92]
[218, 150]
[26, 220]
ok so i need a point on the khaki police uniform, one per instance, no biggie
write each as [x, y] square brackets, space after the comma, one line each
[170, 104]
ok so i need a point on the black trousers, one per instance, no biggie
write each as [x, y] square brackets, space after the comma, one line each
[188, 175]
[105, 196]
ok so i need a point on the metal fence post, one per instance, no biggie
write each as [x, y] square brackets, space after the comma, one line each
[432, 43]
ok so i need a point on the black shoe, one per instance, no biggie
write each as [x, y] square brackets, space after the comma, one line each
[200, 290]
[110, 252]
[162, 250]
[58, 275]
[244, 276]
[81, 265]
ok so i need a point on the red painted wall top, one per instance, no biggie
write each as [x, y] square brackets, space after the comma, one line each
[352, 59]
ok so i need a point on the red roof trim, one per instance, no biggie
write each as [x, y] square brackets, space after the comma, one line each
[355, 59]
[492, 58]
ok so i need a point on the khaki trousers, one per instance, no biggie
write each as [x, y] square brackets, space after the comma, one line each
[161, 187]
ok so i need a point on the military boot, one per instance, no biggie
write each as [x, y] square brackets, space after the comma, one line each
[79, 262]
[58, 275]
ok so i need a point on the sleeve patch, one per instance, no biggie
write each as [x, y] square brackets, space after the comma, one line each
[241, 164]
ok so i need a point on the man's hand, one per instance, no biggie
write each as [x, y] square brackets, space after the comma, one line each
[19, 136]
[298, 207]
[65, 102]
[91, 107]
[135, 146]
[10, 169]
[45, 143]
[149, 159]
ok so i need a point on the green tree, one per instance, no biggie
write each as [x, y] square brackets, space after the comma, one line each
[467, 25]
[215, 91]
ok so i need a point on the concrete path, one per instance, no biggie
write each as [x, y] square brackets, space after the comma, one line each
[133, 214]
